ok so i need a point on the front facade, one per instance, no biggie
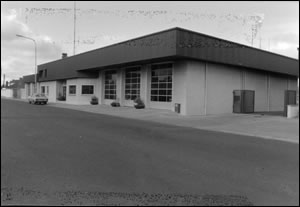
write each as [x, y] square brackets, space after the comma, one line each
[171, 68]
[29, 85]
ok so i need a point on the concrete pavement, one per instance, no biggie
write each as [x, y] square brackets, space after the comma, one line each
[59, 156]
[264, 126]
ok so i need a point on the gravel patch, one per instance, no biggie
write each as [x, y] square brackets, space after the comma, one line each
[21, 196]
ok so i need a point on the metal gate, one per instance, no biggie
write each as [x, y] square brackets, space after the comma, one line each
[290, 98]
[243, 101]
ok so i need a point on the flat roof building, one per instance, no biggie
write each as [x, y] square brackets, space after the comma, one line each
[176, 67]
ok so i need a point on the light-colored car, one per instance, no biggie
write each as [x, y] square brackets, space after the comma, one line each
[38, 98]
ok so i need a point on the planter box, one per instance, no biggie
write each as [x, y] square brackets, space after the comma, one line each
[115, 104]
[139, 106]
[94, 102]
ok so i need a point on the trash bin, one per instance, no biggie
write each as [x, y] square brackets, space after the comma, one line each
[177, 108]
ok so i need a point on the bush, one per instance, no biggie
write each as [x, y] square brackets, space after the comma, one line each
[139, 103]
[94, 100]
[115, 104]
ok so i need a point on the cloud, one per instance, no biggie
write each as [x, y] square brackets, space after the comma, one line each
[17, 54]
[285, 44]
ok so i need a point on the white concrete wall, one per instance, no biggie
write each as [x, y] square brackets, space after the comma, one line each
[52, 94]
[120, 87]
[196, 88]
[23, 93]
[278, 85]
[26, 86]
[257, 81]
[221, 82]
[179, 92]
[6, 92]
[146, 84]
[29, 89]
[79, 98]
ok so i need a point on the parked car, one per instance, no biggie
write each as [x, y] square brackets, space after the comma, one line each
[38, 98]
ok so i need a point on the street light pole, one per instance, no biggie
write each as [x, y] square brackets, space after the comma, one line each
[35, 59]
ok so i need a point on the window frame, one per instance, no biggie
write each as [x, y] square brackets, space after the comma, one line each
[69, 92]
[90, 85]
[43, 88]
[163, 76]
[110, 85]
[132, 82]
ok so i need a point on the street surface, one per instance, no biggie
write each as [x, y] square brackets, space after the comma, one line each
[59, 156]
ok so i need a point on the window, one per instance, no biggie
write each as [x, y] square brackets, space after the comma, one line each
[40, 74]
[161, 82]
[43, 89]
[110, 85]
[45, 73]
[72, 89]
[47, 90]
[132, 83]
[87, 89]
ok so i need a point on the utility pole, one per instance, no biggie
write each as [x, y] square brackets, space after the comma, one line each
[74, 28]
[36, 88]
[252, 35]
[3, 80]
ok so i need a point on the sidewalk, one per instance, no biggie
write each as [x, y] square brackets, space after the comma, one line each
[264, 126]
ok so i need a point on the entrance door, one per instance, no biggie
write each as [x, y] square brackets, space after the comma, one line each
[248, 101]
[243, 101]
[237, 101]
[64, 91]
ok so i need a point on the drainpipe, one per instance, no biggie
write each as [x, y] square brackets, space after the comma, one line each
[205, 89]
[268, 92]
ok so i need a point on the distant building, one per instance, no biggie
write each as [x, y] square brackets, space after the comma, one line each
[176, 69]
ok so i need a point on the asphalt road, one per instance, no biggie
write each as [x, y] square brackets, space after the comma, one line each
[49, 152]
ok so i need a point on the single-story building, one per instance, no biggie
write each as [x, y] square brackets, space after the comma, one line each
[174, 68]
[29, 85]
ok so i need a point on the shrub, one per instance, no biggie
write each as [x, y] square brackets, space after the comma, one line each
[115, 103]
[94, 100]
[139, 103]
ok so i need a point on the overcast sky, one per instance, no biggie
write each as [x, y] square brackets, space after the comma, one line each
[273, 26]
